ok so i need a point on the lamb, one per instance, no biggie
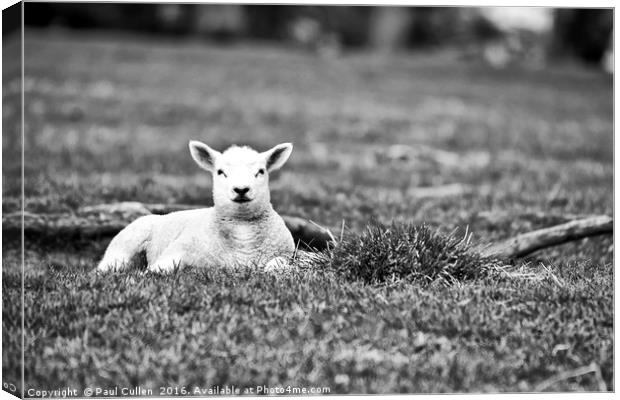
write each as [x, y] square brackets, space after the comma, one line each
[242, 228]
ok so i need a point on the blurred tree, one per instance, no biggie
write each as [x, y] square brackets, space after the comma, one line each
[268, 21]
[522, 35]
[433, 26]
[349, 23]
[175, 18]
[39, 14]
[326, 29]
[583, 33]
[389, 27]
[223, 21]
[98, 15]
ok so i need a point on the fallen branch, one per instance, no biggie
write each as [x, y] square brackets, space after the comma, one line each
[527, 243]
[109, 219]
[536, 217]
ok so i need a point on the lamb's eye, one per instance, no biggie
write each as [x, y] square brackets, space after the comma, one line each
[221, 172]
[260, 172]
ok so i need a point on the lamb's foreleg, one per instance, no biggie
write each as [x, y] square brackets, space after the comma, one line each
[166, 263]
[278, 264]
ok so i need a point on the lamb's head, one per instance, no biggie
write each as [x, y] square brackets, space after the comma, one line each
[240, 175]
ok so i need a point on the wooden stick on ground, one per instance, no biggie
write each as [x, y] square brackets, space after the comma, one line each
[535, 217]
[527, 243]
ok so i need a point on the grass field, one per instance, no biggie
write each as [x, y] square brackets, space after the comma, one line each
[108, 118]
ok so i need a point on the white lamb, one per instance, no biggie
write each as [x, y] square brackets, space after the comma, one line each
[241, 228]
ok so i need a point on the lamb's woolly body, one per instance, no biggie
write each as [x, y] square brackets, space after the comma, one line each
[227, 234]
[197, 237]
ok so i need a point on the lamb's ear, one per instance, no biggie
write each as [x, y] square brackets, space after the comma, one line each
[204, 155]
[277, 156]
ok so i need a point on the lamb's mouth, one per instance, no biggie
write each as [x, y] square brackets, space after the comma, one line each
[242, 200]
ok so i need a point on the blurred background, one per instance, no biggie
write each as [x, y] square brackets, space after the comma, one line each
[378, 97]
[500, 36]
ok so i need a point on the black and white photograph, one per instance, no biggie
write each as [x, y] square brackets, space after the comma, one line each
[221, 199]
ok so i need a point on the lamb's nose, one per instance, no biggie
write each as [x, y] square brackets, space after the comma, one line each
[241, 191]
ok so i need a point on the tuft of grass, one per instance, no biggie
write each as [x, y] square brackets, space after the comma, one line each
[408, 252]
